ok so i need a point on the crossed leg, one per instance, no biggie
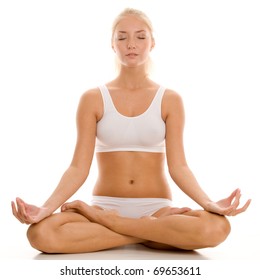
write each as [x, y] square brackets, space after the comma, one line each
[190, 230]
[70, 232]
[91, 229]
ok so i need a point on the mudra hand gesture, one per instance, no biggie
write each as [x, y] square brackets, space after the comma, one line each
[228, 206]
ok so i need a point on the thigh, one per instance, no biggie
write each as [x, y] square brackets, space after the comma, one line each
[52, 224]
[70, 232]
[56, 220]
[61, 218]
[168, 211]
[202, 219]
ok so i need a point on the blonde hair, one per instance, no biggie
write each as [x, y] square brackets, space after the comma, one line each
[133, 12]
[142, 16]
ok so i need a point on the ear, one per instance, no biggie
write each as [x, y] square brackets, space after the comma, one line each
[152, 45]
[112, 46]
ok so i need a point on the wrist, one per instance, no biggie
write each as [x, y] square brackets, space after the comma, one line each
[48, 210]
[205, 204]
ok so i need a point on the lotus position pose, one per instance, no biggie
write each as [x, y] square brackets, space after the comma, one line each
[134, 125]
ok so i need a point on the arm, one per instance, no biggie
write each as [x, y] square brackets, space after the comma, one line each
[177, 164]
[77, 172]
[178, 167]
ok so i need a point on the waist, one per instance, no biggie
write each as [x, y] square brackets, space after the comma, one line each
[130, 200]
[131, 174]
[133, 188]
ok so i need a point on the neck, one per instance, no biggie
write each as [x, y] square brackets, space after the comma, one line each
[132, 78]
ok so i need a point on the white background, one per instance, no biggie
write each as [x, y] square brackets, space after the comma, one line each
[53, 51]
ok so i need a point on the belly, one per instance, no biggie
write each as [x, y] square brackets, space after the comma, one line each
[132, 174]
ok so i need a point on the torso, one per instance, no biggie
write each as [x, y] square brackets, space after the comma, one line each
[131, 174]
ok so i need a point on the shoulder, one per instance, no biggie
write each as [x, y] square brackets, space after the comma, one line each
[91, 101]
[171, 96]
[91, 95]
[172, 103]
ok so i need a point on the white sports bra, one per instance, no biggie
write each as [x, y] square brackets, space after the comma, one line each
[143, 133]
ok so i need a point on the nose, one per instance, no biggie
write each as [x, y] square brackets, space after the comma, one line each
[131, 45]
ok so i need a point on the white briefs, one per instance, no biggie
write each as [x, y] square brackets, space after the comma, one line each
[131, 207]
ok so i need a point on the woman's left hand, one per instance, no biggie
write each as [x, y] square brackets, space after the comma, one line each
[228, 206]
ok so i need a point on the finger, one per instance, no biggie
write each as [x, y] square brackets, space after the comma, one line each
[228, 211]
[236, 200]
[15, 213]
[176, 211]
[66, 206]
[20, 200]
[71, 205]
[242, 209]
[22, 211]
[21, 208]
[184, 209]
[233, 195]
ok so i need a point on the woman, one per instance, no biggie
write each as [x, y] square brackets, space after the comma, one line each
[134, 124]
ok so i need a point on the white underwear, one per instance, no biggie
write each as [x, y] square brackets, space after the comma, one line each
[131, 207]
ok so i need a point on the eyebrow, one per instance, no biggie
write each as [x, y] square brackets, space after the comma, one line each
[138, 31]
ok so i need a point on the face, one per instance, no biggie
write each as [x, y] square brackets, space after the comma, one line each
[132, 41]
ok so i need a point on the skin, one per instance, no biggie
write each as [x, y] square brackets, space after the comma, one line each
[82, 228]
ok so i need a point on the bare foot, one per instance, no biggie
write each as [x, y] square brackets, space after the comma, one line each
[171, 211]
[93, 213]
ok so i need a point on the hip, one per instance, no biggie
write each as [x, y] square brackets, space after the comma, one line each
[131, 207]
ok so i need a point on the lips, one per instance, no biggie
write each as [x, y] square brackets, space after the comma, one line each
[132, 54]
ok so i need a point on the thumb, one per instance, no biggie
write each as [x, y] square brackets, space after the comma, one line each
[65, 207]
[70, 205]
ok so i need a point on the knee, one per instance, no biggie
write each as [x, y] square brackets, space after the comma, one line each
[216, 230]
[41, 238]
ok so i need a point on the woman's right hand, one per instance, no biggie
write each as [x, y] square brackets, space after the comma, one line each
[27, 213]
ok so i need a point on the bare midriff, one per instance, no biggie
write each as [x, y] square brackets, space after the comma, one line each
[132, 174]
